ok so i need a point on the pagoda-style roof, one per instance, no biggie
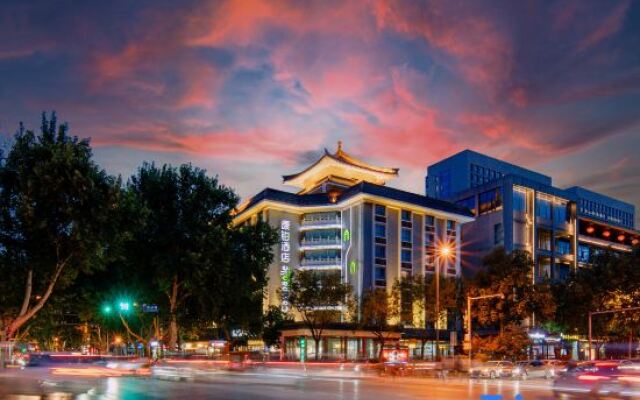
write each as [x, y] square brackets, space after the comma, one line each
[339, 165]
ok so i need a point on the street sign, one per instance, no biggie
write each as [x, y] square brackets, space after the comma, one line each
[150, 308]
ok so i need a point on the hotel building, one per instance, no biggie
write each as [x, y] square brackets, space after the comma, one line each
[521, 209]
[344, 220]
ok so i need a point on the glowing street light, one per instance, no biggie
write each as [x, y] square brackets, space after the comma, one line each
[106, 309]
[124, 306]
[445, 252]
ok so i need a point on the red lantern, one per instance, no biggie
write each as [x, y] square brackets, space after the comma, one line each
[634, 242]
[606, 234]
[621, 238]
[591, 229]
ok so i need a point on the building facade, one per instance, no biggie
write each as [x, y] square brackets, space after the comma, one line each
[521, 209]
[344, 220]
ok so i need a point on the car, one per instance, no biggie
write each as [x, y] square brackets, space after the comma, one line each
[598, 379]
[533, 369]
[492, 370]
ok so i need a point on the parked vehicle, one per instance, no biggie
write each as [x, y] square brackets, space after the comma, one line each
[492, 370]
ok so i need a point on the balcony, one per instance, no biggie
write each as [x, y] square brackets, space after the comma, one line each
[321, 263]
[323, 221]
[321, 243]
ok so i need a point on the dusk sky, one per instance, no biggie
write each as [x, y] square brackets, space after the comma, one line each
[252, 90]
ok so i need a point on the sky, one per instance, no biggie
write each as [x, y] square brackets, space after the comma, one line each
[252, 90]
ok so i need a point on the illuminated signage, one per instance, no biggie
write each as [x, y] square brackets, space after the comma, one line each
[285, 259]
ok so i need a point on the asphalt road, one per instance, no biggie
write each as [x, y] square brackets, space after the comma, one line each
[41, 383]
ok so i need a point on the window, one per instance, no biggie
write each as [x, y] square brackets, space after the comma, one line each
[405, 256]
[563, 247]
[429, 220]
[519, 201]
[381, 213]
[498, 234]
[406, 215]
[381, 276]
[406, 236]
[451, 225]
[470, 203]
[381, 231]
[489, 200]
[544, 239]
[380, 255]
[560, 213]
[584, 254]
[543, 207]
[381, 252]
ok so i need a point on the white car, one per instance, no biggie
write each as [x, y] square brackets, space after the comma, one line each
[492, 370]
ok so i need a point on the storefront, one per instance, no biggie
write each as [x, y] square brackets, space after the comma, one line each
[335, 345]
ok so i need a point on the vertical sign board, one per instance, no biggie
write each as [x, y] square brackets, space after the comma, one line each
[285, 259]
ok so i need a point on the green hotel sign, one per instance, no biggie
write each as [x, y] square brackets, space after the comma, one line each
[346, 235]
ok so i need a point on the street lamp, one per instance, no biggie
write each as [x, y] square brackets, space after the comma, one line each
[615, 310]
[444, 251]
[469, 300]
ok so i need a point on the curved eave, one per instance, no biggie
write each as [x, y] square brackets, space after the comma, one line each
[301, 179]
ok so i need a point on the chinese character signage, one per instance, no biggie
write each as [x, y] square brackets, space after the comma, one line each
[285, 259]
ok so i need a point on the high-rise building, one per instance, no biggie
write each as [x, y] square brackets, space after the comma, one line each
[520, 209]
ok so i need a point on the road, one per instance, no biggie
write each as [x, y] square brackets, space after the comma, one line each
[257, 385]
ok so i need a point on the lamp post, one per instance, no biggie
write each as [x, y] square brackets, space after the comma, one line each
[444, 252]
[615, 310]
[469, 300]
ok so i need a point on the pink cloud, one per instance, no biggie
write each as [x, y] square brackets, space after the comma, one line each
[271, 144]
[609, 26]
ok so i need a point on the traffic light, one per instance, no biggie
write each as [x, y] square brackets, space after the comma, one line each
[303, 348]
[106, 309]
[124, 306]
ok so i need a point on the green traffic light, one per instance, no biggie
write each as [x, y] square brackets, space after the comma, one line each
[106, 309]
[124, 306]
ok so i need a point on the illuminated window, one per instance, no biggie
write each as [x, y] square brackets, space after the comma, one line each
[519, 201]
[543, 207]
[489, 200]
[470, 203]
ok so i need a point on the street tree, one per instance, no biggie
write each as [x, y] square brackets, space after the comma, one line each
[320, 299]
[55, 209]
[416, 297]
[378, 312]
[511, 274]
[186, 214]
[236, 271]
[274, 321]
[612, 281]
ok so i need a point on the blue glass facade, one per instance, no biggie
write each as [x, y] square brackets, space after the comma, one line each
[520, 209]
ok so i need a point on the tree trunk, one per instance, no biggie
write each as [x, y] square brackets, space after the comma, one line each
[173, 305]
[23, 318]
[381, 340]
[317, 344]
[27, 292]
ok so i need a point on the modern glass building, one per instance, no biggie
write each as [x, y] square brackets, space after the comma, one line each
[520, 209]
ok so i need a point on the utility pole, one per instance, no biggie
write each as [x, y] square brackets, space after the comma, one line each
[615, 310]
